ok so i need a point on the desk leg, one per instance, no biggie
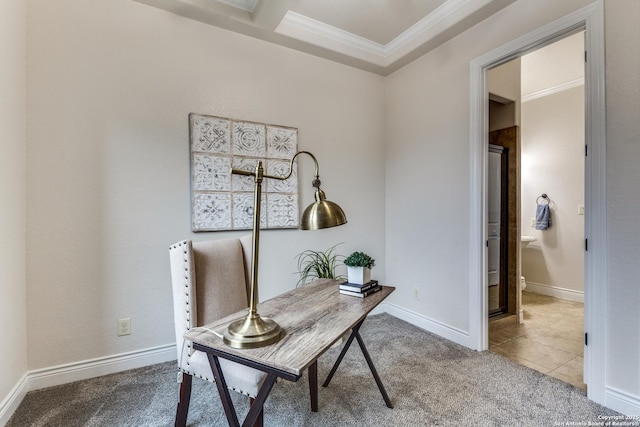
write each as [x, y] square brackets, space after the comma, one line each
[373, 371]
[354, 331]
[256, 407]
[260, 421]
[356, 334]
[223, 391]
[313, 385]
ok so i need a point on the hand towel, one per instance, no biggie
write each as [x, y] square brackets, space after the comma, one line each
[543, 217]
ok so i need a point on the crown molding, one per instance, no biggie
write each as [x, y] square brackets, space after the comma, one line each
[310, 30]
[427, 24]
[327, 36]
[554, 89]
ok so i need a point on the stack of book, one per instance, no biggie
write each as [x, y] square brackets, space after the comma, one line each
[360, 291]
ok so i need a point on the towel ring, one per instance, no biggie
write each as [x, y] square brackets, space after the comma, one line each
[544, 197]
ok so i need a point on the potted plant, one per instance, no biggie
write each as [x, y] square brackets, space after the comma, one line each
[317, 265]
[359, 267]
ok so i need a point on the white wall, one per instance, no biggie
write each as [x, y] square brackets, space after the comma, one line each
[623, 196]
[504, 85]
[552, 144]
[13, 314]
[557, 66]
[110, 86]
[428, 156]
[504, 80]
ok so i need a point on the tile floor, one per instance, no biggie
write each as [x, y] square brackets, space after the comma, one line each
[550, 340]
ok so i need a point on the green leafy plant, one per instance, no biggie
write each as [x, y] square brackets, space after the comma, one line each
[318, 264]
[359, 259]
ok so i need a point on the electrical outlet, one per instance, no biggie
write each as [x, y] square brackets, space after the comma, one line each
[416, 294]
[124, 327]
[580, 209]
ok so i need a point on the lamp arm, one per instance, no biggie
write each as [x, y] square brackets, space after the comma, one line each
[242, 172]
[288, 175]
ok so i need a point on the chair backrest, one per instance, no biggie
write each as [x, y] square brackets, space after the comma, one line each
[221, 286]
[209, 281]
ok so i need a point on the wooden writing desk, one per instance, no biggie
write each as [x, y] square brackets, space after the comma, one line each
[313, 317]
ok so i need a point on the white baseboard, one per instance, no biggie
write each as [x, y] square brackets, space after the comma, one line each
[63, 374]
[555, 291]
[452, 334]
[70, 372]
[622, 402]
[13, 399]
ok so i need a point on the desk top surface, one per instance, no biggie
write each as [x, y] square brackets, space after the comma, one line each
[313, 317]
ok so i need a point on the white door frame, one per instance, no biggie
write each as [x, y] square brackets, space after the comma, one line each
[591, 20]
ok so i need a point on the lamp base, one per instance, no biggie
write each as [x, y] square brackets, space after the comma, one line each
[252, 332]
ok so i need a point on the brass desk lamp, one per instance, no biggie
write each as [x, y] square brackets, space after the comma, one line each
[254, 331]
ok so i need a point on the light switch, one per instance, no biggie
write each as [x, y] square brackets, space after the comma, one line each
[533, 223]
[580, 209]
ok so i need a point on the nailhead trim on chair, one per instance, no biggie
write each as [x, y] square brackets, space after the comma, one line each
[188, 318]
[186, 294]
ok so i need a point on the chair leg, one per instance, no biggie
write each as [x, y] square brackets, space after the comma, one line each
[183, 400]
[260, 421]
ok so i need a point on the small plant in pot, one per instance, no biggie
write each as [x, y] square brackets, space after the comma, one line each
[359, 267]
[317, 265]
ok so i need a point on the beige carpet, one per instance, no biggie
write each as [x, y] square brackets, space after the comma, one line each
[431, 382]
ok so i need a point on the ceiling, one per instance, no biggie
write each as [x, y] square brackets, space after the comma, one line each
[374, 35]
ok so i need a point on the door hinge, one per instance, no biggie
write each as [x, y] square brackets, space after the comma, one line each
[586, 244]
[585, 56]
[487, 243]
[586, 338]
[586, 150]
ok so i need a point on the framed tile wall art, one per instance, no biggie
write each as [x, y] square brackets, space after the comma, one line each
[223, 201]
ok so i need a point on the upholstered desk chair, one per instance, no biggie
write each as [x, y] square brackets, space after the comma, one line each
[210, 281]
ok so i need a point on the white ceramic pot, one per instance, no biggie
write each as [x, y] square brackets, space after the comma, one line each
[358, 275]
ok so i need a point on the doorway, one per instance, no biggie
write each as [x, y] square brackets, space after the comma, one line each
[550, 100]
[591, 19]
